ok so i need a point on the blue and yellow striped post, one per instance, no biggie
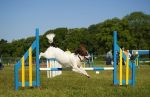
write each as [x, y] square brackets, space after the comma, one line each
[129, 66]
[137, 61]
[30, 66]
[21, 65]
[37, 59]
[120, 68]
[127, 70]
[23, 72]
[133, 74]
[115, 81]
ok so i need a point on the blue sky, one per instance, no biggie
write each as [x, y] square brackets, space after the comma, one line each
[19, 18]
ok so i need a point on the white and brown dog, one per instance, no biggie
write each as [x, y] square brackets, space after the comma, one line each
[67, 59]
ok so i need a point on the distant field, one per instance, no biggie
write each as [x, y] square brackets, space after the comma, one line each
[71, 84]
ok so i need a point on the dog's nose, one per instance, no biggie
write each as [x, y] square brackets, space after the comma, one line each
[87, 57]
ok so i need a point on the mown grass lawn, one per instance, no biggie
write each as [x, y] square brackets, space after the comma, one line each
[71, 84]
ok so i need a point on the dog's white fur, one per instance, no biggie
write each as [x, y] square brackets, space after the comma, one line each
[64, 58]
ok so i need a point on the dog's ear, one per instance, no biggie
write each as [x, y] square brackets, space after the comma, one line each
[77, 51]
[81, 51]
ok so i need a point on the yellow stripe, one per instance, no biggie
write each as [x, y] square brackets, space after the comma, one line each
[23, 72]
[30, 66]
[127, 71]
[120, 67]
[137, 62]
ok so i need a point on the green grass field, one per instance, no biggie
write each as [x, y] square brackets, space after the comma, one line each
[71, 84]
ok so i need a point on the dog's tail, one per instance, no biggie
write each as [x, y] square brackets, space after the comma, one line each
[50, 37]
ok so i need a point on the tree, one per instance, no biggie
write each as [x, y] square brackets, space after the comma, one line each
[139, 26]
[133, 33]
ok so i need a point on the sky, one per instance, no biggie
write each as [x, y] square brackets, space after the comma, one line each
[20, 18]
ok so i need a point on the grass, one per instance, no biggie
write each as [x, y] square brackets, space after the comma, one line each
[71, 84]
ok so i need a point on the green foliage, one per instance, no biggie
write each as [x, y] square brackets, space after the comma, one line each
[133, 33]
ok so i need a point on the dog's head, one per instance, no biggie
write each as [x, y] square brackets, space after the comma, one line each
[82, 51]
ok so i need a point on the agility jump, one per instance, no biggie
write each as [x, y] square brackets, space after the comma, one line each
[129, 66]
[36, 83]
[21, 65]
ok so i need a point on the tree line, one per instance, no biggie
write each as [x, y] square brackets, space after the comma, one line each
[133, 33]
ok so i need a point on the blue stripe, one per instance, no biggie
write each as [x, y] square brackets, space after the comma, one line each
[115, 58]
[37, 59]
[27, 83]
[33, 45]
[16, 76]
[140, 52]
[98, 68]
[124, 82]
[56, 69]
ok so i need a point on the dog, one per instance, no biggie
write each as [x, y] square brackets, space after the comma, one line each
[73, 60]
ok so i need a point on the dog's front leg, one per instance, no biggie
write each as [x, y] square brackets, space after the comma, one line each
[80, 70]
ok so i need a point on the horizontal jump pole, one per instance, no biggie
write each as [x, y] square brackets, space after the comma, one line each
[52, 69]
[88, 69]
[142, 52]
[99, 68]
